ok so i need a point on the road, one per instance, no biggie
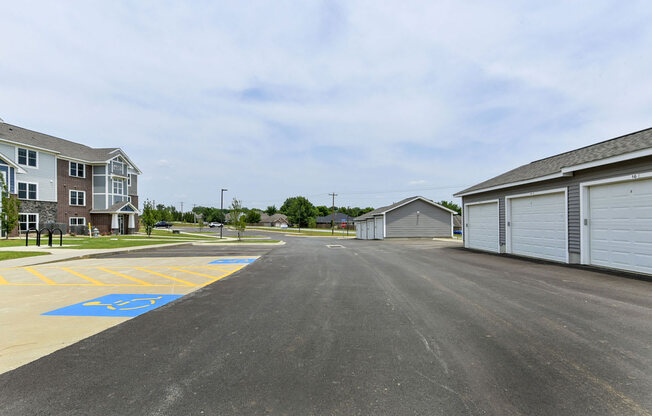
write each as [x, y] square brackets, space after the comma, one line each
[393, 327]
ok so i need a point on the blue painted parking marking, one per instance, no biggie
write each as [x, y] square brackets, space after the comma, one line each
[232, 261]
[121, 305]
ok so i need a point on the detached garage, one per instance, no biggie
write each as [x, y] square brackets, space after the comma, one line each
[410, 218]
[591, 206]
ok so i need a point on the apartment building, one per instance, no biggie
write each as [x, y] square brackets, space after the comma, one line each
[69, 184]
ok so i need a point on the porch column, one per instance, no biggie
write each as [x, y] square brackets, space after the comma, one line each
[132, 221]
[114, 221]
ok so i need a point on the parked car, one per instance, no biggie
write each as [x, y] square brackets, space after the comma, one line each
[214, 224]
[163, 224]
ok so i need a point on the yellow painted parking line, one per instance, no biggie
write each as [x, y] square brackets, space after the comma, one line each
[3, 281]
[90, 279]
[166, 276]
[40, 276]
[188, 271]
[133, 279]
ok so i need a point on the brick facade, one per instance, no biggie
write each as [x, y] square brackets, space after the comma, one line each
[66, 183]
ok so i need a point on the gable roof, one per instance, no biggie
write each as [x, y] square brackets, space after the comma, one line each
[118, 208]
[273, 218]
[62, 147]
[629, 146]
[383, 210]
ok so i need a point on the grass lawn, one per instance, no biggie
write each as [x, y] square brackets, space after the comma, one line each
[245, 241]
[8, 255]
[96, 243]
[308, 232]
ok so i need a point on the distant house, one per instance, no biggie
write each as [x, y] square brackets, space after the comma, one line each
[276, 220]
[457, 222]
[412, 217]
[338, 219]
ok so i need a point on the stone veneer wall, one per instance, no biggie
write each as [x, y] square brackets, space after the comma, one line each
[47, 210]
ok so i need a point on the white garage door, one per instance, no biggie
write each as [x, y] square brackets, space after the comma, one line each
[482, 227]
[370, 229]
[379, 227]
[537, 226]
[620, 225]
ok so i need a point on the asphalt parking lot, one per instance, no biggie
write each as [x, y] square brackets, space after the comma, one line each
[369, 327]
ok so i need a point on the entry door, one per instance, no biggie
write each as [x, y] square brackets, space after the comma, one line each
[620, 225]
[481, 225]
[121, 224]
[536, 226]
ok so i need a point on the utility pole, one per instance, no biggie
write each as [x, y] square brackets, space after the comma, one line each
[181, 209]
[222, 210]
[333, 214]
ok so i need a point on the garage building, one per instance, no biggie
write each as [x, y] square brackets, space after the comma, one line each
[590, 206]
[410, 218]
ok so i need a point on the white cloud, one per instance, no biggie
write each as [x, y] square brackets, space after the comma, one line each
[286, 98]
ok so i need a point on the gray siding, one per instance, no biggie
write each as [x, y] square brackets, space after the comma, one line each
[572, 183]
[432, 221]
[133, 189]
[574, 218]
[501, 220]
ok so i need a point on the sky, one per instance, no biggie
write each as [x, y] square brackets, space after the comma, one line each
[375, 101]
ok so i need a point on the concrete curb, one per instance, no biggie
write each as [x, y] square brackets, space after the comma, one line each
[280, 243]
[89, 255]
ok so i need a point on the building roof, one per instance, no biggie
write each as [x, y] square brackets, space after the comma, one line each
[382, 210]
[63, 147]
[338, 217]
[563, 164]
[124, 207]
[273, 218]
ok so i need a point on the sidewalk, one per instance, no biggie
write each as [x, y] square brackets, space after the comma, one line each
[61, 254]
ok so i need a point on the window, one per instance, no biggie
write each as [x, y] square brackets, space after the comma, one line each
[118, 186]
[27, 221]
[27, 190]
[77, 169]
[118, 167]
[129, 180]
[77, 221]
[77, 197]
[27, 157]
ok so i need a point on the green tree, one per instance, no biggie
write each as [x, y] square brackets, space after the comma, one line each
[238, 217]
[271, 210]
[149, 217]
[323, 210]
[253, 216]
[451, 205]
[299, 210]
[10, 208]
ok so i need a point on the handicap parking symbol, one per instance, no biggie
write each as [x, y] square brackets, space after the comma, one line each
[117, 305]
[233, 261]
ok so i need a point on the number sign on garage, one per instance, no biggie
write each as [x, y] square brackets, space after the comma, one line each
[536, 225]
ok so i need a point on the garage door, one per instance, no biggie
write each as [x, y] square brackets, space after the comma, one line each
[620, 225]
[482, 227]
[379, 227]
[370, 229]
[537, 226]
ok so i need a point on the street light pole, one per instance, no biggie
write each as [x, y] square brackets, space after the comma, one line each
[222, 210]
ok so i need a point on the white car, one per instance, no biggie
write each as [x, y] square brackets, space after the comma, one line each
[214, 224]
